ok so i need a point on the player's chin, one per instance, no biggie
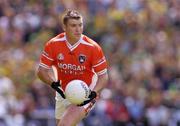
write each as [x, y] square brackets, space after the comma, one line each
[77, 35]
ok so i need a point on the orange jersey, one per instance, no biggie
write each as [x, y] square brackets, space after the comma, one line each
[78, 61]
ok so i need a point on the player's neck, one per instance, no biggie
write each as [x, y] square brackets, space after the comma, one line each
[72, 41]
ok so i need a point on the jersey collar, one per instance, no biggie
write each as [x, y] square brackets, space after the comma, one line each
[72, 47]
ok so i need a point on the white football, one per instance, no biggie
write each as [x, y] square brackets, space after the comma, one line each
[77, 91]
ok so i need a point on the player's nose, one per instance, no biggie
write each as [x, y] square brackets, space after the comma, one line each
[78, 29]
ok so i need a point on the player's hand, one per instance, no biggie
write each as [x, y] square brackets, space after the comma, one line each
[91, 97]
[56, 86]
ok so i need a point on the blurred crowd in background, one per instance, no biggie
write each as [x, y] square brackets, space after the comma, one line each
[141, 41]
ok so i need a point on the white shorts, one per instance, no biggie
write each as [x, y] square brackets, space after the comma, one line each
[60, 107]
[62, 104]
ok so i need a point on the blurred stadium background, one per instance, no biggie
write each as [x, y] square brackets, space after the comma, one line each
[141, 40]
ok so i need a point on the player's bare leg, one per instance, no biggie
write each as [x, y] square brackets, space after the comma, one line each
[72, 116]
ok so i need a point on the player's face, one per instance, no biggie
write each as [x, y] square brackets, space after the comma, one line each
[74, 29]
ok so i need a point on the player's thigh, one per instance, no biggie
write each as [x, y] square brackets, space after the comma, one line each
[72, 116]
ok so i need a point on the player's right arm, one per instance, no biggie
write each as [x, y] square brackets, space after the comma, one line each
[45, 72]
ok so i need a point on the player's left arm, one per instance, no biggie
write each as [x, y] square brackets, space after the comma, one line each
[100, 68]
[101, 82]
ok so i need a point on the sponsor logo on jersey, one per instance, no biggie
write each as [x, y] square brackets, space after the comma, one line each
[82, 58]
[72, 67]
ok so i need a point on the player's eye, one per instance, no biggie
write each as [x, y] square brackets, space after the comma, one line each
[73, 25]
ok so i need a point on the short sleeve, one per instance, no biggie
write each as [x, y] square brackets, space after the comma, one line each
[99, 62]
[46, 58]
